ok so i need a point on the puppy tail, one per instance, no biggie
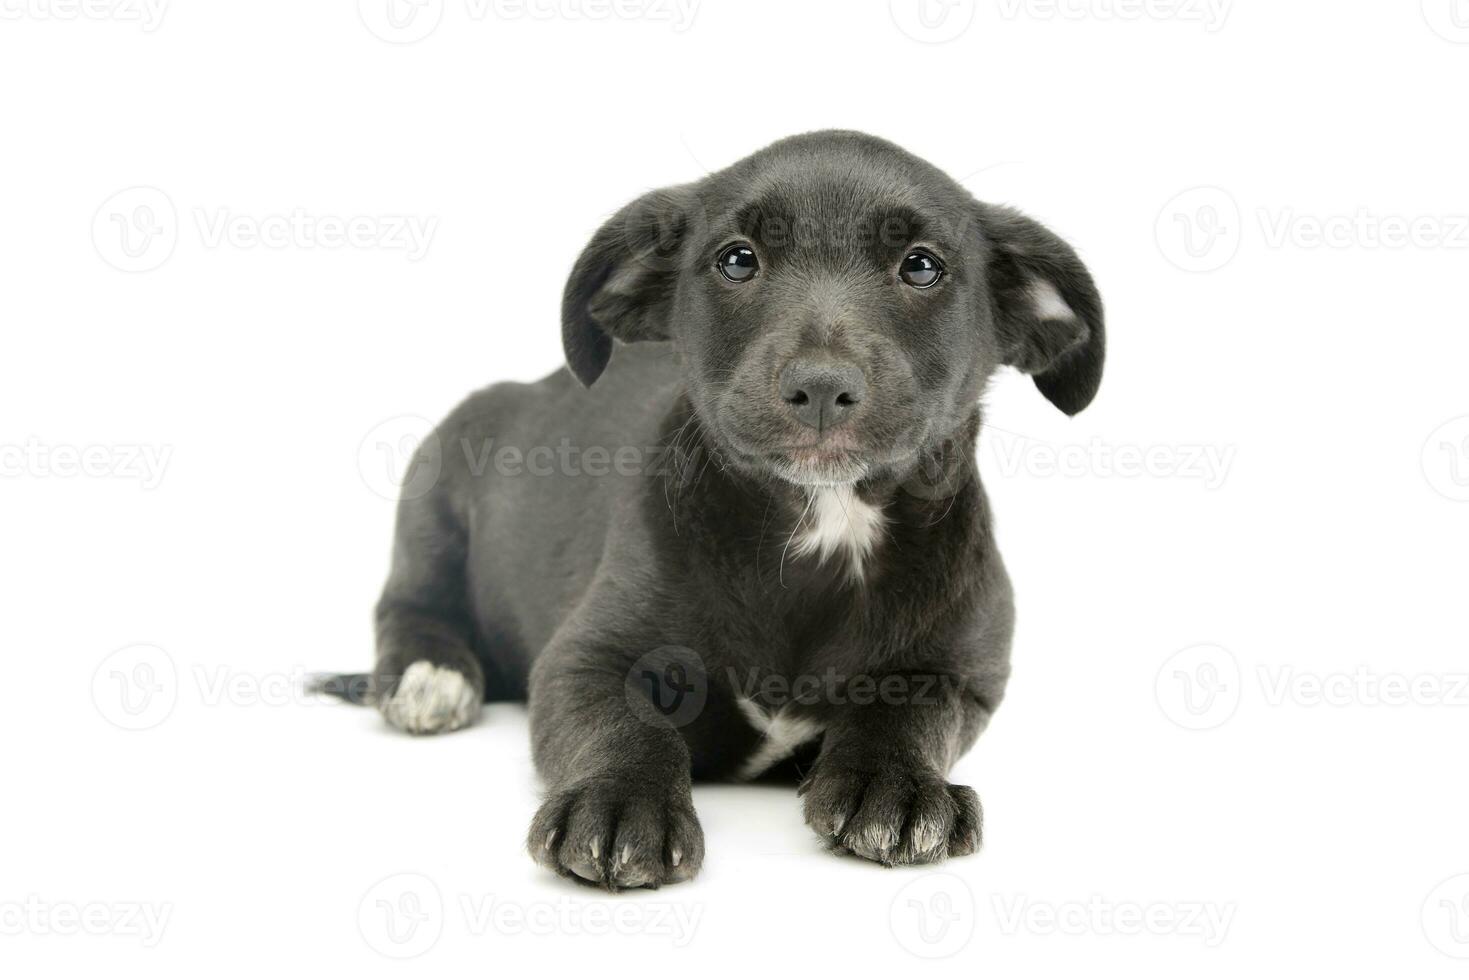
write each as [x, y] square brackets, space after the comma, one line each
[352, 688]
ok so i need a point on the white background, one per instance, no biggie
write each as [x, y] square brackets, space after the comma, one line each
[1205, 723]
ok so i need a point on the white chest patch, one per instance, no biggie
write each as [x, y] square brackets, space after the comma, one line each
[783, 732]
[838, 522]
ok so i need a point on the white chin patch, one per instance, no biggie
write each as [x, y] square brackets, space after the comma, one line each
[430, 700]
[784, 733]
[818, 475]
[840, 524]
[1047, 302]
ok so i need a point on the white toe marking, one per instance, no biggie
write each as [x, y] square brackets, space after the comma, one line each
[431, 699]
[928, 834]
[876, 840]
[784, 733]
[841, 521]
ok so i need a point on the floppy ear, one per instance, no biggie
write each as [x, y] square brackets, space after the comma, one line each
[1047, 308]
[623, 282]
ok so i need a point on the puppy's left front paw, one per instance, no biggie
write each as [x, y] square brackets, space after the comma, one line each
[892, 816]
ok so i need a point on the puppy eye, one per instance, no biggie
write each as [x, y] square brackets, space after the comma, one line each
[738, 263]
[920, 270]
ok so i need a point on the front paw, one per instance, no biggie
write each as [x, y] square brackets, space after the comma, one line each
[619, 834]
[892, 816]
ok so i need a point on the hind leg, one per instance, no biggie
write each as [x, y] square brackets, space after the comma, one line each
[427, 678]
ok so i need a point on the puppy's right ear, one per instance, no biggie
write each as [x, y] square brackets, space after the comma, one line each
[623, 283]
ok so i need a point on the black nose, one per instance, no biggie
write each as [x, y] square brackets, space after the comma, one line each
[821, 393]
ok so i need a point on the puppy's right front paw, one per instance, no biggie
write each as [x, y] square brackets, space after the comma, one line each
[618, 834]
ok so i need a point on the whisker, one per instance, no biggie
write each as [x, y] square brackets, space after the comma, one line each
[781, 569]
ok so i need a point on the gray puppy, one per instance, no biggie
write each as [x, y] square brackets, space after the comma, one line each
[744, 534]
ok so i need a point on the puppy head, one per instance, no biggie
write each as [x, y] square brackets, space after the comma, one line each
[838, 303]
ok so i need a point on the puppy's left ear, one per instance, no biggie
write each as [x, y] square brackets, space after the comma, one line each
[1047, 308]
[623, 282]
